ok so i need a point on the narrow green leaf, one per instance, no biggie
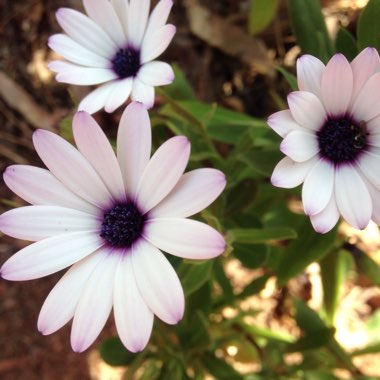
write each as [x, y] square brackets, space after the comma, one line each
[345, 43]
[114, 353]
[261, 14]
[319, 375]
[219, 368]
[290, 78]
[368, 28]
[260, 235]
[180, 89]
[307, 319]
[263, 332]
[365, 264]
[254, 287]
[195, 276]
[251, 255]
[198, 333]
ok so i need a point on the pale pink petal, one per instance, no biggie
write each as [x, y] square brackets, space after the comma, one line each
[103, 13]
[300, 146]
[289, 174]
[282, 122]
[134, 143]
[352, 197]
[60, 304]
[133, 318]
[159, 16]
[95, 303]
[374, 138]
[155, 44]
[142, 93]
[71, 168]
[39, 222]
[309, 74]
[336, 85]
[307, 110]
[96, 99]
[76, 53]
[50, 255]
[86, 32]
[375, 196]
[163, 171]
[156, 73]
[318, 187]
[119, 94]
[94, 145]
[185, 238]
[194, 192]
[138, 13]
[121, 9]
[369, 165]
[158, 282]
[363, 66]
[327, 218]
[40, 187]
[74, 74]
[367, 103]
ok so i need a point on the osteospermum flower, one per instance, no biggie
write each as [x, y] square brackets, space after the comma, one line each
[110, 216]
[117, 45]
[331, 137]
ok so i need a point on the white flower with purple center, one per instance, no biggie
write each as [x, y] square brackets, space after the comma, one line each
[331, 137]
[109, 216]
[115, 45]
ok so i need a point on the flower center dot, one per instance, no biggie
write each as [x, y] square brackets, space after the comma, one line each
[122, 225]
[342, 140]
[126, 62]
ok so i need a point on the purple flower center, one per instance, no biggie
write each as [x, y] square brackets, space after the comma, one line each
[126, 62]
[342, 140]
[122, 225]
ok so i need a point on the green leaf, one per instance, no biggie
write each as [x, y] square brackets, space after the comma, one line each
[262, 161]
[368, 28]
[309, 247]
[254, 287]
[371, 349]
[114, 353]
[365, 264]
[261, 14]
[318, 338]
[180, 89]
[198, 333]
[260, 235]
[319, 375]
[307, 319]
[345, 43]
[219, 368]
[309, 28]
[263, 332]
[195, 275]
[223, 281]
[290, 78]
[251, 255]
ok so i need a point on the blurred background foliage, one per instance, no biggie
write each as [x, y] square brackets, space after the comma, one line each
[283, 302]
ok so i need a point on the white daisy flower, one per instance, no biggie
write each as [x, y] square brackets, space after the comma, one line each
[116, 44]
[331, 137]
[109, 217]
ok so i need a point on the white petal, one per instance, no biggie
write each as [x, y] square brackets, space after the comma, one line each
[163, 171]
[363, 66]
[60, 304]
[157, 282]
[194, 192]
[95, 303]
[103, 13]
[138, 13]
[374, 138]
[71, 168]
[158, 16]
[50, 255]
[369, 164]
[156, 73]
[74, 52]
[318, 187]
[133, 318]
[336, 86]
[121, 9]
[86, 32]
[307, 109]
[309, 74]
[185, 238]
[155, 44]
[96, 99]
[289, 174]
[327, 218]
[367, 103]
[119, 94]
[134, 143]
[74, 74]
[142, 93]
[38, 186]
[39, 222]
[300, 146]
[94, 145]
[352, 197]
[375, 196]
[282, 122]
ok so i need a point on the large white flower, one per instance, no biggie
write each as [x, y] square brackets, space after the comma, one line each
[331, 137]
[110, 216]
[116, 45]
